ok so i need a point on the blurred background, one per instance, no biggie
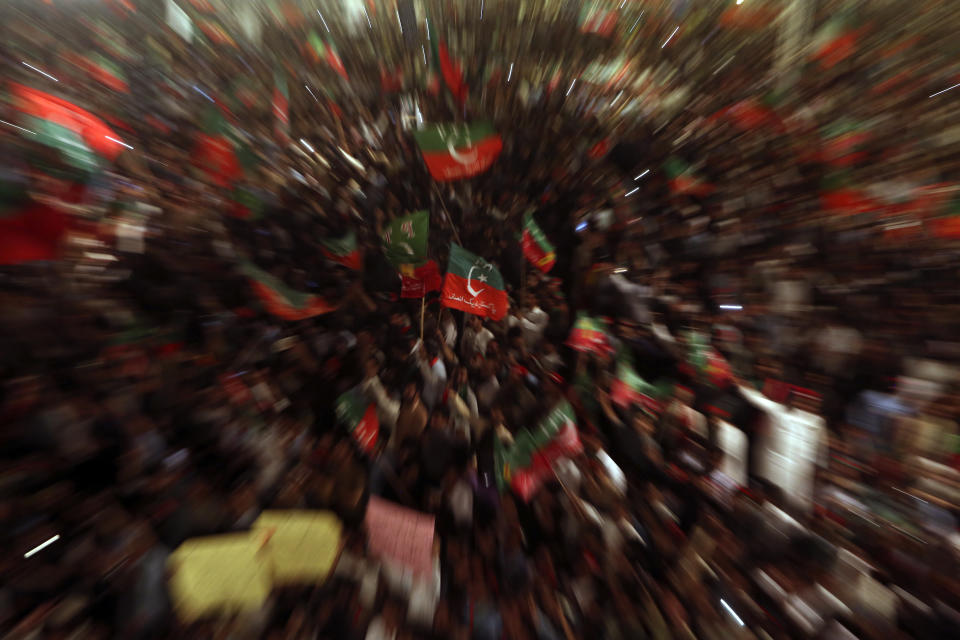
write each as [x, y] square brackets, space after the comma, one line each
[479, 319]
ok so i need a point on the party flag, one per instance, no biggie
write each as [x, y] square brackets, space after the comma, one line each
[451, 152]
[343, 251]
[323, 49]
[629, 388]
[526, 464]
[282, 301]
[536, 247]
[281, 106]
[359, 416]
[425, 279]
[474, 285]
[589, 335]
[598, 20]
[683, 180]
[405, 241]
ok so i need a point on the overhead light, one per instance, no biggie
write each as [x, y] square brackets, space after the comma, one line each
[398, 20]
[620, 270]
[931, 96]
[635, 22]
[42, 546]
[510, 74]
[369, 24]
[311, 93]
[739, 1]
[571, 86]
[724, 602]
[307, 145]
[323, 21]
[645, 172]
[631, 192]
[732, 307]
[671, 37]
[39, 71]
[582, 226]
[9, 124]
[203, 93]
[118, 142]
[424, 49]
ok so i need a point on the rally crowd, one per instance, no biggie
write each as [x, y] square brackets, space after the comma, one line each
[801, 481]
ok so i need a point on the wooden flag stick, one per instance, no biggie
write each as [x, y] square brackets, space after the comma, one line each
[423, 307]
[449, 219]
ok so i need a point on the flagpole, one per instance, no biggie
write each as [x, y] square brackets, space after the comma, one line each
[423, 307]
[449, 219]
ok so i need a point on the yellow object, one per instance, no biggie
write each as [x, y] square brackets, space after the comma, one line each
[218, 574]
[300, 546]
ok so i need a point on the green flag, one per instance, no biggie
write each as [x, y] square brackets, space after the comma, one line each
[359, 416]
[405, 241]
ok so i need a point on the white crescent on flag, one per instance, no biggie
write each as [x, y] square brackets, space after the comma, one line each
[468, 159]
[470, 288]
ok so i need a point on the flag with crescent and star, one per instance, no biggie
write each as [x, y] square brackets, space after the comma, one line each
[473, 285]
[453, 152]
[405, 241]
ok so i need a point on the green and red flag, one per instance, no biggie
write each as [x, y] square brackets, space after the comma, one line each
[215, 153]
[425, 278]
[448, 67]
[589, 335]
[835, 41]
[839, 197]
[707, 361]
[104, 71]
[629, 388]
[536, 247]
[528, 462]
[597, 19]
[281, 107]
[683, 179]
[359, 416]
[843, 142]
[453, 152]
[282, 301]
[343, 251]
[474, 285]
[405, 241]
[247, 204]
[323, 49]
[947, 225]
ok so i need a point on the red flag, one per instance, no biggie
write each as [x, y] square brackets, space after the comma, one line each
[424, 280]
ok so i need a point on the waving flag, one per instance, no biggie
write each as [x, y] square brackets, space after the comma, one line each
[282, 301]
[359, 416]
[424, 280]
[447, 66]
[474, 285]
[454, 152]
[526, 464]
[405, 241]
[323, 49]
[343, 251]
[536, 247]
[589, 335]
[281, 107]
[683, 180]
[629, 388]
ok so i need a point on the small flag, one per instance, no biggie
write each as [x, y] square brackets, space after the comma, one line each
[343, 251]
[104, 71]
[474, 285]
[405, 241]
[835, 41]
[684, 181]
[282, 301]
[281, 106]
[453, 152]
[424, 280]
[595, 19]
[359, 416]
[446, 65]
[526, 464]
[629, 388]
[536, 247]
[323, 49]
[589, 335]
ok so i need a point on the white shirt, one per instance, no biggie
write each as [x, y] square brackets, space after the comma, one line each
[434, 381]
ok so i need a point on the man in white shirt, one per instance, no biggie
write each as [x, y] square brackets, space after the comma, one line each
[434, 374]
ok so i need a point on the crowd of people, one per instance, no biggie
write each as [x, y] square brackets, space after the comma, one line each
[810, 489]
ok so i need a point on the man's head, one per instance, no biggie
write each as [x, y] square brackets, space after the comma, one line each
[440, 418]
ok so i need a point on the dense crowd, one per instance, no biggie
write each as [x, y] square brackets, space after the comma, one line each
[149, 396]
